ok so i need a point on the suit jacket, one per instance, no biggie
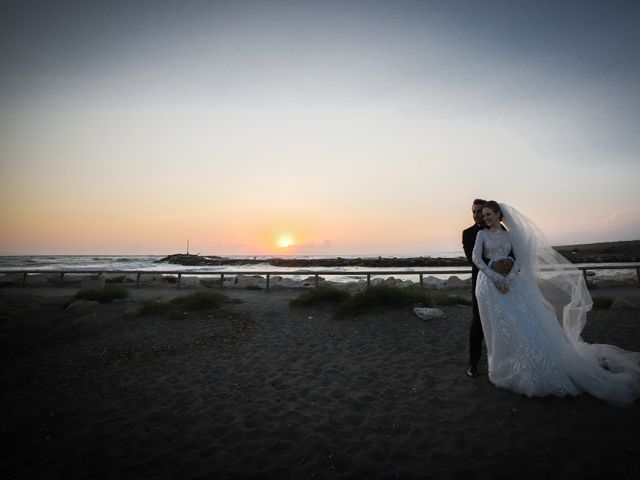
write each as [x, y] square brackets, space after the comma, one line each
[468, 242]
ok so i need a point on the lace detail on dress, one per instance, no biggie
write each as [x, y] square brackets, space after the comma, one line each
[494, 245]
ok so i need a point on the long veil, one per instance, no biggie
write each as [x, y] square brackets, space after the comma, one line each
[560, 289]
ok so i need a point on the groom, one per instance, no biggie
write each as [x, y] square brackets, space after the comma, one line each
[468, 242]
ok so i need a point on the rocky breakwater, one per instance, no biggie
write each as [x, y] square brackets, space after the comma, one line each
[372, 262]
[603, 252]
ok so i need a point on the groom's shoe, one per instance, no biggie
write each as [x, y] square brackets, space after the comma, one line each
[472, 371]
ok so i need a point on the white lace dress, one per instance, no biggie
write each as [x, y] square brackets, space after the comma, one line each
[526, 347]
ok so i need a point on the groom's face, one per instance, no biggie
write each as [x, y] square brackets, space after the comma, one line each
[477, 214]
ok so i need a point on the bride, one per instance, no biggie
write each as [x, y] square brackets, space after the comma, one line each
[533, 316]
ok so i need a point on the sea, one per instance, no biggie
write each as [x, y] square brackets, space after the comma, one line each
[148, 263]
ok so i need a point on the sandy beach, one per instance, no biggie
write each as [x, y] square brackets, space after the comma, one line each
[259, 389]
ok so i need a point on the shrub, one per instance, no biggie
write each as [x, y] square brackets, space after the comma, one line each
[102, 295]
[200, 301]
[193, 302]
[320, 296]
[384, 296]
[155, 307]
[602, 303]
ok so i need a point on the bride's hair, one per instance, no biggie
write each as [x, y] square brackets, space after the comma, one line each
[493, 205]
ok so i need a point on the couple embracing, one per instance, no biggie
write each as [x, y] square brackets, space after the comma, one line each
[530, 306]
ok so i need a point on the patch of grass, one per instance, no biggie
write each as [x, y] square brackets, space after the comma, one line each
[602, 303]
[102, 295]
[155, 307]
[383, 296]
[325, 294]
[193, 302]
[201, 301]
[448, 299]
[118, 279]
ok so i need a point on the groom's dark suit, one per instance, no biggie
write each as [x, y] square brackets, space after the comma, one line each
[475, 334]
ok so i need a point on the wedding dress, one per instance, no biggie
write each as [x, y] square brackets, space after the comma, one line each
[532, 332]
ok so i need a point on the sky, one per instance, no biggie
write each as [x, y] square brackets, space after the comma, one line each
[313, 127]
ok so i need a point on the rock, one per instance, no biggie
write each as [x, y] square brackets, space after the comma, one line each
[601, 280]
[11, 279]
[92, 282]
[150, 277]
[433, 282]
[82, 306]
[119, 278]
[455, 282]
[189, 282]
[390, 282]
[311, 280]
[622, 303]
[244, 281]
[429, 313]
[290, 283]
[42, 279]
[375, 262]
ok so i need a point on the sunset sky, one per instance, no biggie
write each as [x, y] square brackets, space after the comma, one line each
[313, 127]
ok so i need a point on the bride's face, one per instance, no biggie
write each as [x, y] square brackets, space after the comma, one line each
[490, 218]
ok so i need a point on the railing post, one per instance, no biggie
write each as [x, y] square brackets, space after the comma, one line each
[316, 280]
[179, 279]
[61, 278]
[421, 280]
[368, 280]
[24, 278]
[638, 273]
[138, 280]
[268, 279]
[222, 280]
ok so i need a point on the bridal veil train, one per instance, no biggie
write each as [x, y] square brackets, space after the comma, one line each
[533, 332]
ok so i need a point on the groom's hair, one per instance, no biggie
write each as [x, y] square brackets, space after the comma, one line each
[479, 201]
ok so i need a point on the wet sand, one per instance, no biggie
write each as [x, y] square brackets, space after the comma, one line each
[263, 390]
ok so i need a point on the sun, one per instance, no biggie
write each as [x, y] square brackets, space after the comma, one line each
[284, 241]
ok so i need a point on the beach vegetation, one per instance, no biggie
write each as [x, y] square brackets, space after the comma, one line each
[384, 296]
[179, 306]
[326, 294]
[602, 303]
[155, 307]
[102, 295]
[201, 301]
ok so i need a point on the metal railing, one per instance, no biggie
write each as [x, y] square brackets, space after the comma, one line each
[317, 274]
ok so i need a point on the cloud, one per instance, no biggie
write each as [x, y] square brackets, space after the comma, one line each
[311, 247]
[624, 225]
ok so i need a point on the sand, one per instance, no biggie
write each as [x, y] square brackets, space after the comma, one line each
[263, 390]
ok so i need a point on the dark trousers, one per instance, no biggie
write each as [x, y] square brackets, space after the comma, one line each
[475, 332]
